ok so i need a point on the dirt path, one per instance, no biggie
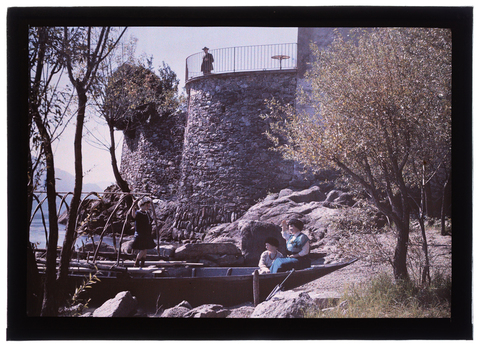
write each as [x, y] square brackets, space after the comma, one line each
[334, 284]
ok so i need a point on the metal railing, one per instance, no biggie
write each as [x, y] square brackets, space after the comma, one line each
[244, 58]
[109, 223]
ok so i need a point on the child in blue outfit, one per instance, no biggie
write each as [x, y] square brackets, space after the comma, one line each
[298, 248]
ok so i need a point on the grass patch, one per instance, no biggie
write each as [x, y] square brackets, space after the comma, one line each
[384, 298]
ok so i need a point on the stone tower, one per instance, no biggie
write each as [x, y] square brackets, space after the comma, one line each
[322, 38]
[223, 162]
[227, 163]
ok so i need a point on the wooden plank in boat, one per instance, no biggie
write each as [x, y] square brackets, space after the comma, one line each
[141, 270]
[128, 263]
[133, 270]
[151, 263]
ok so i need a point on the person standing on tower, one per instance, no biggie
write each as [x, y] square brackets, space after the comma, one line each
[207, 62]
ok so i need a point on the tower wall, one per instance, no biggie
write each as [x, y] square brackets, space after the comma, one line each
[151, 157]
[226, 158]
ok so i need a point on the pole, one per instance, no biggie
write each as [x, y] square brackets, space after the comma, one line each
[256, 288]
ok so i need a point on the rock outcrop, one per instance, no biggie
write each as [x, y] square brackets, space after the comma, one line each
[208, 311]
[123, 305]
[264, 218]
[288, 304]
[178, 311]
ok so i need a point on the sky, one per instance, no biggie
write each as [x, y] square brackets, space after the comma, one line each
[171, 45]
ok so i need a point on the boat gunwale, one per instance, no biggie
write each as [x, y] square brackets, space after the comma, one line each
[139, 275]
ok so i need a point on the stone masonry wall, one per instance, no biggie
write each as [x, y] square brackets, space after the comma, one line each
[215, 162]
[227, 164]
[151, 157]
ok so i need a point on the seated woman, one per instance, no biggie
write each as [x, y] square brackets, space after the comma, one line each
[298, 248]
[269, 255]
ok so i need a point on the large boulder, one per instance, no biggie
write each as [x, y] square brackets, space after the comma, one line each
[332, 195]
[197, 250]
[223, 260]
[253, 235]
[285, 192]
[270, 211]
[336, 197]
[104, 247]
[288, 304]
[123, 305]
[178, 311]
[166, 250]
[126, 247]
[313, 194]
[345, 199]
[242, 311]
[313, 206]
[208, 311]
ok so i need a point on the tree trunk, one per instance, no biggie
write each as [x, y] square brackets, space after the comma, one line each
[34, 285]
[444, 203]
[422, 214]
[429, 209]
[34, 288]
[77, 193]
[426, 268]
[400, 257]
[49, 307]
[402, 222]
[116, 172]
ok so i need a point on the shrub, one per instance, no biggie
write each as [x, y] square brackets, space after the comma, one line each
[382, 297]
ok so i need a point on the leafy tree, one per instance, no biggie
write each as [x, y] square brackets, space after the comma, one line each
[382, 114]
[47, 116]
[105, 107]
[82, 51]
[131, 95]
[133, 88]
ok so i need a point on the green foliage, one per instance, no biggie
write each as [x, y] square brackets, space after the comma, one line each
[136, 96]
[381, 101]
[379, 96]
[382, 297]
[48, 102]
[361, 220]
[360, 235]
[89, 280]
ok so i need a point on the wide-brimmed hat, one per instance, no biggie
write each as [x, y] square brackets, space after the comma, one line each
[272, 241]
[297, 223]
[205, 48]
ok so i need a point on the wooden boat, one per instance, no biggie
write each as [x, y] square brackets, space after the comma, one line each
[169, 283]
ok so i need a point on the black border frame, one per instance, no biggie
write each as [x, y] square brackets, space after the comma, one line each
[23, 328]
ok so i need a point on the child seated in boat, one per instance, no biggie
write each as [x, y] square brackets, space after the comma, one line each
[298, 248]
[269, 255]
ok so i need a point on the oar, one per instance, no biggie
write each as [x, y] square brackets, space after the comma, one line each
[279, 286]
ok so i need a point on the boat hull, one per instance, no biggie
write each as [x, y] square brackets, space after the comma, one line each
[197, 289]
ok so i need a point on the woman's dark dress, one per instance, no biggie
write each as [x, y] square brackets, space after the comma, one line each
[143, 231]
[207, 63]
